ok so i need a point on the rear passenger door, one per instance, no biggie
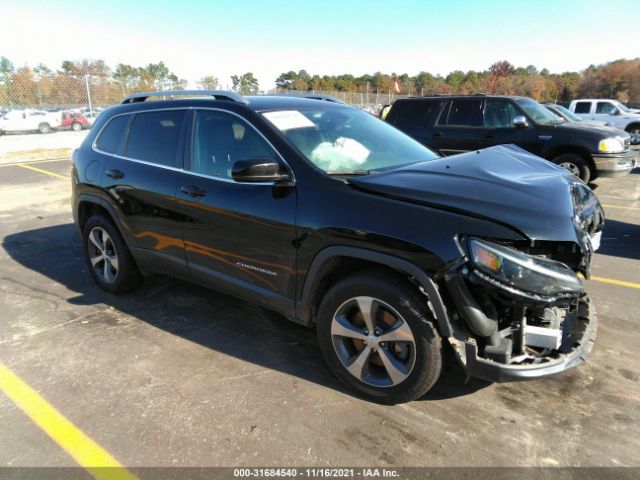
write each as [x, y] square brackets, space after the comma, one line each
[145, 159]
[239, 237]
[458, 126]
[498, 128]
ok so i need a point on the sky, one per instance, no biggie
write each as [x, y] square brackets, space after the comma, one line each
[268, 37]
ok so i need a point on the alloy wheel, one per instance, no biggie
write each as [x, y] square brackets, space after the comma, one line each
[572, 167]
[373, 342]
[102, 254]
[635, 136]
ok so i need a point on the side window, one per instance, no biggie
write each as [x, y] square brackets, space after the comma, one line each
[112, 136]
[153, 137]
[463, 113]
[604, 107]
[412, 114]
[219, 139]
[583, 107]
[499, 114]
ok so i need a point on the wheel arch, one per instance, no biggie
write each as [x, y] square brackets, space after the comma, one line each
[575, 150]
[336, 261]
[89, 205]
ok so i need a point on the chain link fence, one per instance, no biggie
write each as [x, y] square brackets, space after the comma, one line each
[89, 93]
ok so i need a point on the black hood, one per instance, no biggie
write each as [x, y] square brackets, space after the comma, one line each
[505, 184]
[595, 131]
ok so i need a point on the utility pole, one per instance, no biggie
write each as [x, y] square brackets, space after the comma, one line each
[86, 83]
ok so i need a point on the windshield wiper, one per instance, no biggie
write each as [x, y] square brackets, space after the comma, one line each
[347, 172]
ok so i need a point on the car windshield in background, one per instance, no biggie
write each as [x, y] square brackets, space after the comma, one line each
[537, 112]
[623, 107]
[568, 113]
[347, 141]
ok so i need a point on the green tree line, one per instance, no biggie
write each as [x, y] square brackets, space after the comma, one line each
[619, 79]
[68, 85]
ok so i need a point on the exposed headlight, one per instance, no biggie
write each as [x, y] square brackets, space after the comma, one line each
[523, 272]
[611, 145]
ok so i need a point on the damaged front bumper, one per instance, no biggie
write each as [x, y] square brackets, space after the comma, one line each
[504, 333]
[493, 371]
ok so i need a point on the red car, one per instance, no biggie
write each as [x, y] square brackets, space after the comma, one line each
[74, 121]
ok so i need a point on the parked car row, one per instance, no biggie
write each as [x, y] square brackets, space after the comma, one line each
[457, 124]
[32, 120]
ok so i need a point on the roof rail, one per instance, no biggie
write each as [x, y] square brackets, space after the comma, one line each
[217, 94]
[313, 96]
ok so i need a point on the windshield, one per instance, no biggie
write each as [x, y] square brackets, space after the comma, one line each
[537, 112]
[347, 140]
[623, 107]
[568, 113]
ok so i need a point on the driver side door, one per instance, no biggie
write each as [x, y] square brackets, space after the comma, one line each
[239, 237]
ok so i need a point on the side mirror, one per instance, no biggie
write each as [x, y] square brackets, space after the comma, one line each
[614, 111]
[520, 121]
[259, 170]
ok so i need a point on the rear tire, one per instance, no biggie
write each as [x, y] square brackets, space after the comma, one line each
[576, 164]
[108, 258]
[44, 128]
[401, 359]
[76, 127]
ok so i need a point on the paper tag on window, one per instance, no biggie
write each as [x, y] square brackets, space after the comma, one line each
[288, 119]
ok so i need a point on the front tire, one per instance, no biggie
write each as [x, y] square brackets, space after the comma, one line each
[108, 258]
[378, 337]
[76, 127]
[576, 164]
[634, 133]
[44, 128]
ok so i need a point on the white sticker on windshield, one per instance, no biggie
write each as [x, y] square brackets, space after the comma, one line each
[288, 119]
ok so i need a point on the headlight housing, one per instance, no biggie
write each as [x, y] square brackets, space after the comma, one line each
[523, 272]
[611, 145]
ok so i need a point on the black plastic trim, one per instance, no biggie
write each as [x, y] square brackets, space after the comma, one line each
[303, 306]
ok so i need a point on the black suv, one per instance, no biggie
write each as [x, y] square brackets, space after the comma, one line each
[337, 220]
[455, 124]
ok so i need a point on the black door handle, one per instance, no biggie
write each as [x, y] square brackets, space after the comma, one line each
[437, 134]
[115, 174]
[194, 191]
[488, 136]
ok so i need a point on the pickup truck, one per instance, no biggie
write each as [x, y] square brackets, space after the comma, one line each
[30, 120]
[610, 111]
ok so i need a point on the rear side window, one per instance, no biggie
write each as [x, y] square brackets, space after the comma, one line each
[463, 113]
[112, 136]
[153, 137]
[583, 107]
[413, 114]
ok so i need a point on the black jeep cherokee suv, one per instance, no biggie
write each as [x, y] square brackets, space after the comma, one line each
[337, 220]
[455, 124]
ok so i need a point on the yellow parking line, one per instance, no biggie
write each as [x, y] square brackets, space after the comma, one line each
[44, 160]
[620, 206]
[97, 461]
[613, 281]
[36, 169]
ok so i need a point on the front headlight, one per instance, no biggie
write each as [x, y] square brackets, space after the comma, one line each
[523, 272]
[611, 145]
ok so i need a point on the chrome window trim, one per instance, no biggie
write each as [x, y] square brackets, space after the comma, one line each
[95, 148]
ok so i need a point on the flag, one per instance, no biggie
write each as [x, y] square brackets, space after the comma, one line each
[396, 87]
